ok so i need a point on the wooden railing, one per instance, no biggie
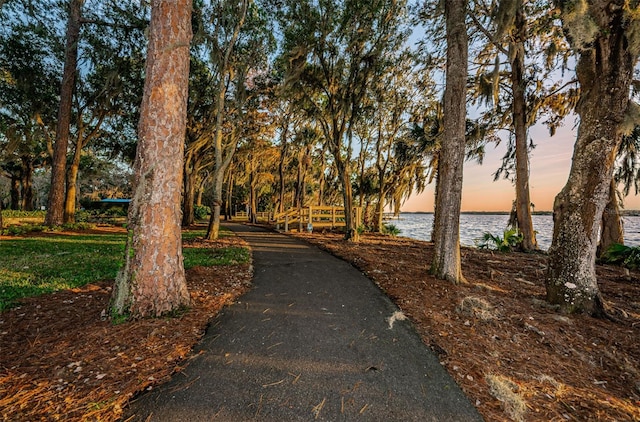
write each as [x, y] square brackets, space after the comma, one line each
[310, 218]
[261, 215]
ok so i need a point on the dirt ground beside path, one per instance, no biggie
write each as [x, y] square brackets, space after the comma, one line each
[62, 359]
[514, 355]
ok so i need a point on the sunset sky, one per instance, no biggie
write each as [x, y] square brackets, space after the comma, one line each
[550, 164]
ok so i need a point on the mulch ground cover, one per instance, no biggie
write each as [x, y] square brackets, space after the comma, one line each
[514, 355]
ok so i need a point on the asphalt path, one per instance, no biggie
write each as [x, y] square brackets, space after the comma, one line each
[313, 340]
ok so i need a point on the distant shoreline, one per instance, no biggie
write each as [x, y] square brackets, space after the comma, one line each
[628, 213]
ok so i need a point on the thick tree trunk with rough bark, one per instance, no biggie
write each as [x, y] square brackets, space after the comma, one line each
[446, 259]
[523, 198]
[55, 203]
[152, 281]
[605, 71]
[611, 228]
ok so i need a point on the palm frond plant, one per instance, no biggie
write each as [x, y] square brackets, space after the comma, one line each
[510, 240]
[624, 256]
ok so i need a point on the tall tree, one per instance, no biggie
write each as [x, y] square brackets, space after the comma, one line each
[335, 50]
[603, 33]
[152, 281]
[55, 203]
[397, 161]
[446, 260]
[522, 34]
[520, 127]
[110, 81]
[239, 43]
[627, 173]
[223, 154]
[28, 94]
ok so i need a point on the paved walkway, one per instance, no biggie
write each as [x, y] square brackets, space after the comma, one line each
[311, 341]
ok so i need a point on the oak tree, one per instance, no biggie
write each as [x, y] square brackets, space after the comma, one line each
[604, 35]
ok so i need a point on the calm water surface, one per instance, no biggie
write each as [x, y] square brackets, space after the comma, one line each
[473, 226]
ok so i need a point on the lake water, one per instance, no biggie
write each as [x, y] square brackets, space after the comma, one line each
[473, 226]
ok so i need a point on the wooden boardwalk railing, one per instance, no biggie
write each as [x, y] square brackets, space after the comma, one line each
[261, 215]
[310, 218]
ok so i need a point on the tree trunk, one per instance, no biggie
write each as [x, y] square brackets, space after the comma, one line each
[523, 198]
[281, 168]
[297, 199]
[219, 167]
[253, 193]
[188, 198]
[605, 71]
[611, 229]
[350, 231]
[72, 184]
[191, 166]
[221, 162]
[229, 194]
[26, 181]
[199, 195]
[446, 260]
[213, 231]
[152, 281]
[15, 192]
[55, 203]
[322, 181]
[379, 217]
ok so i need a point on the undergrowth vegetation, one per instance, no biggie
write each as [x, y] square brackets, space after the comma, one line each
[391, 229]
[624, 256]
[510, 240]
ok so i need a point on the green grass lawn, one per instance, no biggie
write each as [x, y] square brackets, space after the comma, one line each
[36, 265]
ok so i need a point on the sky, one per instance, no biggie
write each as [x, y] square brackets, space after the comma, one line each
[550, 163]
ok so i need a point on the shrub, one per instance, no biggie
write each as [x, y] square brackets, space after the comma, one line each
[625, 256]
[510, 240]
[116, 211]
[201, 212]
[20, 229]
[23, 214]
[78, 225]
[391, 230]
[82, 216]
